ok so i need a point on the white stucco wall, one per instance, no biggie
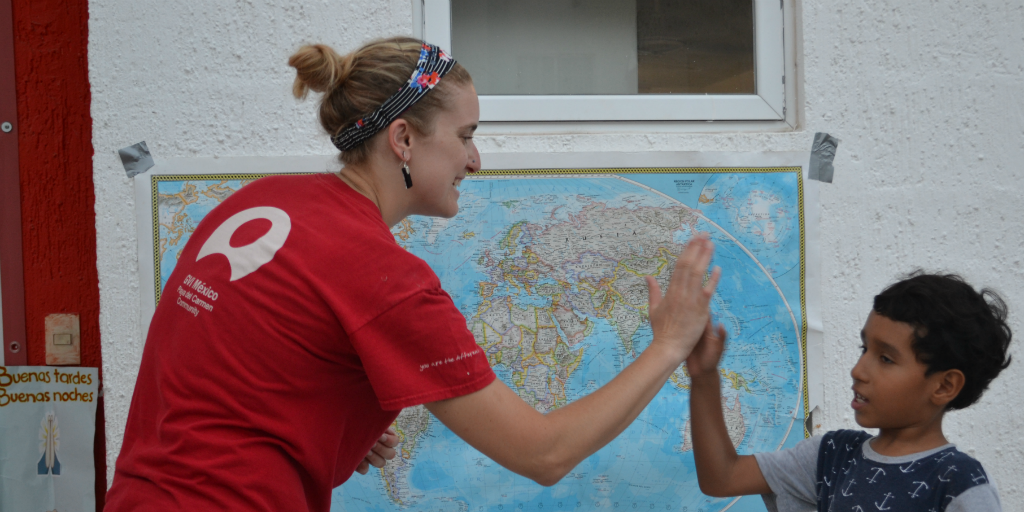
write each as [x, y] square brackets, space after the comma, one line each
[926, 95]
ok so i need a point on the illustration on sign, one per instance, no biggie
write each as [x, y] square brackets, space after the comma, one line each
[548, 268]
[49, 433]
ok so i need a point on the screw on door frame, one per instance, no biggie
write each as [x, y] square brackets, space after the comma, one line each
[6, 127]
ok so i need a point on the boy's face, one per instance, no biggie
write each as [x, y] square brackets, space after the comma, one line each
[889, 383]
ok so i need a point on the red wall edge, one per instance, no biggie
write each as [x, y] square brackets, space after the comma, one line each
[11, 267]
[57, 199]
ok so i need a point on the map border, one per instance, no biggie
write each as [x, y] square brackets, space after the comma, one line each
[156, 179]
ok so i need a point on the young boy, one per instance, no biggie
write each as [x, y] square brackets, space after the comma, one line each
[931, 344]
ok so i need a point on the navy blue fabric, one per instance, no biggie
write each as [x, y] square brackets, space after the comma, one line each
[847, 481]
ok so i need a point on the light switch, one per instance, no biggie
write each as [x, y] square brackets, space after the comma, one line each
[63, 339]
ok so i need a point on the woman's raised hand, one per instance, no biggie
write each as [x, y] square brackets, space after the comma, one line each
[680, 316]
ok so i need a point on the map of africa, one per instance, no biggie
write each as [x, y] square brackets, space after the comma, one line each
[548, 268]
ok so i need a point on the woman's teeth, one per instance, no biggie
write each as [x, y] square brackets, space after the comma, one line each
[859, 398]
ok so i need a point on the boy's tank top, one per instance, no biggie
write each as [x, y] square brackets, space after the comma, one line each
[846, 480]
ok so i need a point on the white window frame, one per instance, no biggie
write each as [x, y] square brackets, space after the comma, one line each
[432, 22]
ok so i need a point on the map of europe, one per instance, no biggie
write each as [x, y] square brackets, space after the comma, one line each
[548, 269]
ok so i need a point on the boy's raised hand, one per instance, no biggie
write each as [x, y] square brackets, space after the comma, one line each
[720, 471]
[704, 359]
[679, 317]
[381, 452]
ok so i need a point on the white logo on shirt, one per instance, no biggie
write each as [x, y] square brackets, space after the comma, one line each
[246, 259]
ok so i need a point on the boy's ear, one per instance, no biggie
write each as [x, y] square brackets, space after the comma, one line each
[950, 382]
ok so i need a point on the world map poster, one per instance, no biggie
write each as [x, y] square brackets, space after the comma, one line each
[548, 268]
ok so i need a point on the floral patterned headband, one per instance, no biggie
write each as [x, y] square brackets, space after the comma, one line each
[433, 64]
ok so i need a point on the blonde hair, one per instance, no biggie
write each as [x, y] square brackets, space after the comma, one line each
[356, 84]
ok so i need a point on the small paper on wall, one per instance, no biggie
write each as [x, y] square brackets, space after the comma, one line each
[47, 424]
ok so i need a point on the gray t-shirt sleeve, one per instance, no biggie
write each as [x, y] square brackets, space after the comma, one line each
[791, 476]
[980, 498]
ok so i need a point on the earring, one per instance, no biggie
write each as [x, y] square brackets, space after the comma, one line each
[405, 173]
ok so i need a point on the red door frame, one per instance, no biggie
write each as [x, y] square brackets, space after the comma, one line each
[12, 272]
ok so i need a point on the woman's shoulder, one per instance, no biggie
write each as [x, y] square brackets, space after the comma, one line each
[286, 191]
[286, 183]
[321, 201]
[321, 217]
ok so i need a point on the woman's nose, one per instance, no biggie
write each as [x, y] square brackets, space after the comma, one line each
[474, 159]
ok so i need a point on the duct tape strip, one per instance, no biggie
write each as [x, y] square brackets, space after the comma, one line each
[136, 159]
[823, 151]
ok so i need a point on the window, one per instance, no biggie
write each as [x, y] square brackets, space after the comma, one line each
[616, 60]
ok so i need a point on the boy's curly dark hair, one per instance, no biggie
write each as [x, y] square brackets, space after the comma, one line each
[955, 327]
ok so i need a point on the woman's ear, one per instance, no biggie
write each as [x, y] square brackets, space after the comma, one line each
[399, 138]
[949, 383]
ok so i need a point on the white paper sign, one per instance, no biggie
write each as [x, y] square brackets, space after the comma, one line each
[47, 430]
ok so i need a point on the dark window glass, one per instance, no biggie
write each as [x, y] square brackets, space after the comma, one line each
[695, 46]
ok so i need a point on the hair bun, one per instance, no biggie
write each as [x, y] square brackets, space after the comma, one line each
[319, 68]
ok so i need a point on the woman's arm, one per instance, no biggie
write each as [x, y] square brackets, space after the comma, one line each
[720, 471]
[545, 448]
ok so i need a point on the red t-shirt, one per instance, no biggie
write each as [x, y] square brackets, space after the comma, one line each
[289, 336]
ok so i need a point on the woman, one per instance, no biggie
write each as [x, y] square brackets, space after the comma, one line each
[314, 328]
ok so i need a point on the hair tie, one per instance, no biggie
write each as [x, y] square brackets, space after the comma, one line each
[432, 65]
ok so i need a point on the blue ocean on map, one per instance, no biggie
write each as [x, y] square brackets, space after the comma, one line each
[549, 274]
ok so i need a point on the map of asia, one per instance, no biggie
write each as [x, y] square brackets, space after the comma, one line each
[548, 268]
